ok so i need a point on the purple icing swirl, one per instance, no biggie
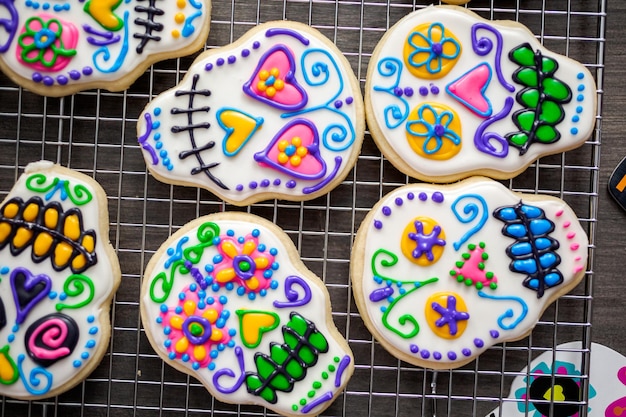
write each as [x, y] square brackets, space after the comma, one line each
[229, 372]
[10, 25]
[482, 140]
[483, 46]
[294, 296]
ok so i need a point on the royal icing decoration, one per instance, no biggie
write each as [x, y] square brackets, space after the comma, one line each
[449, 94]
[553, 384]
[227, 302]
[278, 114]
[61, 47]
[57, 278]
[440, 274]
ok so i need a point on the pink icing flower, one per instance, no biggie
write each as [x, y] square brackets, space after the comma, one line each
[195, 329]
[47, 43]
[243, 263]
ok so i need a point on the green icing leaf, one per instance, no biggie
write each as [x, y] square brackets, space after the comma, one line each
[264, 366]
[290, 340]
[254, 383]
[527, 77]
[296, 370]
[548, 65]
[278, 354]
[319, 341]
[280, 383]
[298, 323]
[530, 97]
[525, 120]
[524, 55]
[556, 89]
[551, 112]
[547, 134]
[307, 355]
[518, 139]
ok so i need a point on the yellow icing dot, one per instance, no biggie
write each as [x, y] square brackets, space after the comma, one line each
[88, 243]
[211, 315]
[182, 345]
[199, 352]
[176, 322]
[282, 145]
[175, 33]
[261, 86]
[229, 249]
[295, 160]
[225, 275]
[71, 228]
[279, 84]
[253, 283]
[22, 237]
[261, 262]
[264, 75]
[432, 135]
[296, 141]
[270, 92]
[11, 210]
[282, 158]
[79, 262]
[30, 212]
[409, 244]
[248, 247]
[42, 244]
[432, 316]
[5, 230]
[275, 72]
[302, 151]
[179, 18]
[216, 335]
[181, 4]
[62, 254]
[51, 218]
[189, 307]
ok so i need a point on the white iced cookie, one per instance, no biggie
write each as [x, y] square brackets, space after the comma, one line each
[450, 95]
[277, 114]
[58, 274]
[227, 300]
[441, 273]
[58, 48]
[553, 384]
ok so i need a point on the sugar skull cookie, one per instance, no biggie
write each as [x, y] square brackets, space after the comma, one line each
[227, 300]
[554, 382]
[58, 274]
[56, 48]
[277, 114]
[450, 95]
[441, 273]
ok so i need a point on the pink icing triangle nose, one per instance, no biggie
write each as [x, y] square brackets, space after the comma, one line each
[469, 90]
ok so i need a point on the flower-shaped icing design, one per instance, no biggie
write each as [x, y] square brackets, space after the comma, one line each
[246, 262]
[270, 82]
[431, 51]
[433, 131]
[46, 43]
[196, 328]
[567, 388]
[291, 151]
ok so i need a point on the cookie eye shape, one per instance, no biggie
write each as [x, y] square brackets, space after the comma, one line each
[548, 395]
[431, 51]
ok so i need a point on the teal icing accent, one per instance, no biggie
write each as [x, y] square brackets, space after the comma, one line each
[436, 132]
[508, 314]
[188, 28]
[33, 380]
[394, 115]
[316, 75]
[229, 130]
[472, 210]
[106, 54]
[196, 4]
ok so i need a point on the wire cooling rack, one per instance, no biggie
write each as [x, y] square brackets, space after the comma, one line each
[94, 132]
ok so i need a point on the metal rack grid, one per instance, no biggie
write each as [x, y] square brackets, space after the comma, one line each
[94, 132]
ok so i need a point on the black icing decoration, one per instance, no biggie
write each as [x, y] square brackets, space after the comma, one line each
[149, 24]
[563, 387]
[51, 338]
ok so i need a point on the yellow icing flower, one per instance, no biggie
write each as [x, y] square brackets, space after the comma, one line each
[291, 152]
[270, 82]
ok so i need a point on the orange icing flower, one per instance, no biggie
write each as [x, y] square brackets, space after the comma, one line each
[291, 152]
[270, 82]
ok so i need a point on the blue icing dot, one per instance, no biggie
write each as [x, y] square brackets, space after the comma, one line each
[241, 239]
[241, 291]
[531, 211]
[167, 343]
[211, 366]
[11, 338]
[525, 265]
[84, 355]
[4, 270]
[256, 232]
[185, 357]
[541, 226]
[581, 87]
[542, 243]
[230, 286]
[579, 109]
[90, 319]
[580, 97]
[62, 296]
[157, 111]
[508, 213]
[93, 330]
[574, 131]
[547, 259]
[217, 259]
[575, 119]
[252, 296]
[15, 328]
[172, 355]
[90, 344]
[232, 332]
[213, 354]
[552, 279]
[77, 363]
[52, 295]
[223, 299]
[523, 248]
[178, 310]
[516, 230]
[195, 366]
[231, 343]
[273, 251]
[580, 75]
[261, 247]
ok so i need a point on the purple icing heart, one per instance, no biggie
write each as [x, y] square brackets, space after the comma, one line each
[28, 290]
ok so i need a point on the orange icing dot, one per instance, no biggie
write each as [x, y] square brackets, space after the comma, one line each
[175, 33]
[189, 307]
[42, 244]
[11, 210]
[30, 212]
[179, 18]
[71, 228]
[211, 315]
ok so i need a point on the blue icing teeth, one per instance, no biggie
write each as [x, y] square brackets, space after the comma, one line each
[539, 227]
